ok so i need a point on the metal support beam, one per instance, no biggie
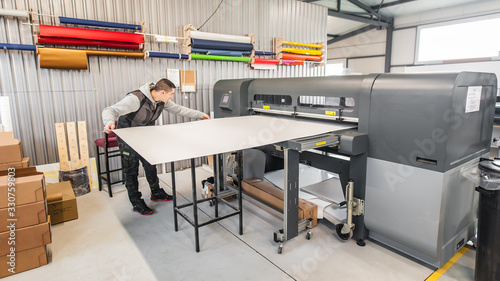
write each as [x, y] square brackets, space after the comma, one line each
[331, 35]
[351, 34]
[388, 49]
[395, 3]
[369, 21]
[371, 11]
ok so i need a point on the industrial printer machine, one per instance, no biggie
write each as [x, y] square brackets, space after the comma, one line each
[399, 165]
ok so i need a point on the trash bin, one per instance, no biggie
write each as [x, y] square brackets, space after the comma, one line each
[488, 229]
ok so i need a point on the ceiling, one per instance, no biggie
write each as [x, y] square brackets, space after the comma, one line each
[361, 14]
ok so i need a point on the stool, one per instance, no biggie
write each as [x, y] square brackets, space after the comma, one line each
[109, 141]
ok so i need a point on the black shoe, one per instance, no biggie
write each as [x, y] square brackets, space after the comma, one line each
[160, 195]
[141, 208]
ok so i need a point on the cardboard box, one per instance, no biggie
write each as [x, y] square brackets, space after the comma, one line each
[26, 215]
[17, 165]
[10, 148]
[29, 187]
[273, 196]
[25, 260]
[65, 208]
[211, 191]
[26, 238]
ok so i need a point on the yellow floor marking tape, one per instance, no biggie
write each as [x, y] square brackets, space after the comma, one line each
[438, 273]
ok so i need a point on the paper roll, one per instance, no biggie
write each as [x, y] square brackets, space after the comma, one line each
[220, 37]
[318, 46]
[303, 51]
[260, 66]
[56, 58]
[6, 118]
[14, 13]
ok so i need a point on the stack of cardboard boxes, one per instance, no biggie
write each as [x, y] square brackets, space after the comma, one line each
[10, 152]
[24, 223]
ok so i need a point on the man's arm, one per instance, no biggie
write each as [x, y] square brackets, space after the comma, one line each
[174, 108]
[110, 114]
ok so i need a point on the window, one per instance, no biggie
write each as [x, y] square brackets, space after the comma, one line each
[465, 39]
[335, 67]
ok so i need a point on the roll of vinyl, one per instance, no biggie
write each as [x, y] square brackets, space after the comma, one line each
[14, 13]
[83, 42]
[318, 46]
[20, 47]
[167, 55]
[292, 62]
[115, 54]
[99, 23]
[303, 51]
[263, 53]
[56, 58]
[300, 57]
[220, 45]
[220, 52]
[210, 57]
[89, 34]
[266, 61]
[165, 39]
[220, 37]
[5, 114]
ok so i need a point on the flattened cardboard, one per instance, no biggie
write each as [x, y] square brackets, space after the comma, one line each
[64, 209]
[16, 165]
[26, 238]
[10, 148]
[26, 215]
[25, 260]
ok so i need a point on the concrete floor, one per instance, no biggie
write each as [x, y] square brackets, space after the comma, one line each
[110, 242]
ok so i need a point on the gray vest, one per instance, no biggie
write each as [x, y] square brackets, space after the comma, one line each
[145, 116]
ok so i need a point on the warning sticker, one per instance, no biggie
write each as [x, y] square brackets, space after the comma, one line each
[473, 99]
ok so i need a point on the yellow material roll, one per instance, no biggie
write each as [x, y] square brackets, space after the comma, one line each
[57, 58]
[318, 46]
[302, 51]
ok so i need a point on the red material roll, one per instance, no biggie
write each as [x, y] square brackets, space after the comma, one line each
[89, 34]
[301, 57]
[266, 61]
[83, 42]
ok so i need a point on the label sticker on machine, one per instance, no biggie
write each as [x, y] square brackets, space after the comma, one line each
[473, 99]
[320, 143]
[266, 107]
[330, 113]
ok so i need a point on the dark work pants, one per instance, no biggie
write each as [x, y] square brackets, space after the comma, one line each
[130, 162]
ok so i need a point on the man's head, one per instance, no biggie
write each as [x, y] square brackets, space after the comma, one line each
[163, 90]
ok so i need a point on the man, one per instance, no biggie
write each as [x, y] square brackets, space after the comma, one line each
[141, 108]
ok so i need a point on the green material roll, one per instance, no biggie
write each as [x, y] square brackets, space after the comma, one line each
[211, 57]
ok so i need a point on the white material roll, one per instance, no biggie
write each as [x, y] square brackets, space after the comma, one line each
[6, 118]
[14, 13]
[220, 37]
[165, 39]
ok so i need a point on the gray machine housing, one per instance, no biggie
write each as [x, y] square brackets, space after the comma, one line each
[415, 132]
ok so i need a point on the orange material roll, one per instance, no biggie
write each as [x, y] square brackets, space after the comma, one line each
[302, 51]
[300, 57]
[56, 58]
[115, 54]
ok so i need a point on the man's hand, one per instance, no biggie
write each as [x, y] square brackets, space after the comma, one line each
[206, 116]
[109, 127]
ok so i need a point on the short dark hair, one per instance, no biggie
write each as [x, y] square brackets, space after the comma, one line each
[164, 84]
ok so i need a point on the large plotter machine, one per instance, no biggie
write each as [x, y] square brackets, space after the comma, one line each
[399, 166]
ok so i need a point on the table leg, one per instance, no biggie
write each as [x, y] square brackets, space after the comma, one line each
[195, 206]
[174, 195]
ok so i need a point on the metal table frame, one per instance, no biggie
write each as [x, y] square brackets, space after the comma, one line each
[219, 179]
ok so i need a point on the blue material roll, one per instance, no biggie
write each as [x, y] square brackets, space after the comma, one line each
[264, 53]
[99, 23]
[17, 47]
[220, 52]
[167, 55]
[220, 45]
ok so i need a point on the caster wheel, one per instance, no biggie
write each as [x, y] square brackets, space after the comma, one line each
[280, 249]
[342, 235]
[309, 235]
[211, 203]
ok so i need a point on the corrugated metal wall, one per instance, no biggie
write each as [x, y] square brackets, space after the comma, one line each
[41, 97]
